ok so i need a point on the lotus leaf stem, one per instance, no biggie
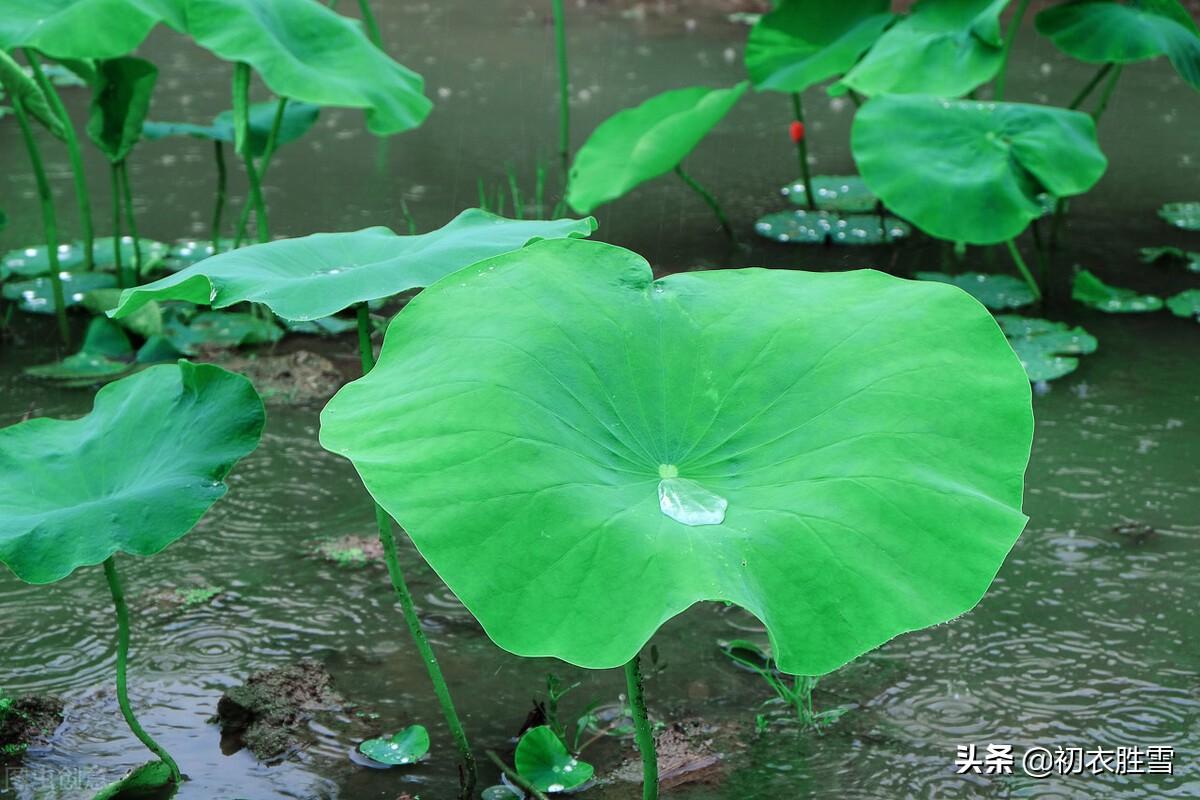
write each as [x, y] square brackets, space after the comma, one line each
[364, 7]
[49, 219]
[219, 204]
[115, 181]
[241, 121]
[264, 164]
[82, 196]
[1013, 27]
[1090, 86]
[643, 733]
[709, 199]
[404, 596]
[118, 596]
[127, 192]
[1102, 106]
[1023, 269]
[810, 193]
[564, 91]
[515, 777]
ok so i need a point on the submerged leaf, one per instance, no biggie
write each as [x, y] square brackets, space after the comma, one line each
[643, 142]
[405, 747]
[120, 100]
[997, 292]
[834, 193]
[1182, 215]
[826, 227]
[1185, 304]
[867, 434]
[542, 760]
[1095, 293]
[132, 476]
[1047, 349]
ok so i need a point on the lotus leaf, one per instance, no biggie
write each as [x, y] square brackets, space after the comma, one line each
[1190, 258]
[993, 159]
[325, 326]
[33, 261]
[120, 101]
[997, 292]
[943, 47]
[543, 760]
[825, 227]
[802, 42]
[219, 329]
[1095, 293]
[1185, 304]
[147, 321]
[82, 29]
[148, 780]
[1104, 32]
[1047, 349]
[132, 476]
[582, 452]
[643, 142]
[834, 193]
[22, 87]
[405, 747]
[316, 276]
[1182, 215]
[106, 354]
[297, 119]
[37, 295]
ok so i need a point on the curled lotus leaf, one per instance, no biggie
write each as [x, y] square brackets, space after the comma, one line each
[132, 476]
[583, 452]
[544, 761]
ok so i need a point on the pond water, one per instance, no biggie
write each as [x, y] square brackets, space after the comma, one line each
[1088, 638]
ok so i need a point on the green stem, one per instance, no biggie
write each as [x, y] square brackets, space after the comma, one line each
[1060, 205]
[802, 153]
[264, 163]
[127, 192]
[219, 203]
[114, 174]
[709, 199]
[1010, 35]
[564, 93]
[515, 777]
[644, 736]
[1090, 86]
[82, 196]
[1023, 269]
[118, 596]
[400, 586]
[49, 218]
[241, 122]
[1102, 106]
[364, 7]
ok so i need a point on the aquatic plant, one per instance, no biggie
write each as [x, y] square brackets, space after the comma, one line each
[582, 452]
[544, 761]
[564, 88]
[133, 476]
[404, 747]
[1095, 293]
[795, 693]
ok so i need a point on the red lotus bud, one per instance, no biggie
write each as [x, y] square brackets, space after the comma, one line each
[797, 131]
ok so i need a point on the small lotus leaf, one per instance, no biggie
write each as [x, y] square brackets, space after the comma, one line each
[20, 86]
[33, 261]
[147, 321]
[826, 227]
[316, 276]
[81, 29]
[801, 42]
[997, 292]
[533, 418]
[120, 101]
[1190, 258]
[405, 747]
[1047, 349]
[501, 792]
[186, 252]
[104, 356]
[1185, 304]
[1182, 215]
[834, 193]
[993, 159]
[325, 326]
[36, 296]
[297, 119]
[132, 476]
[1095, 293]
[220, 329]
[147, 781]
[643, 142]
[943, 47]
[544, 761]
[1105, 32]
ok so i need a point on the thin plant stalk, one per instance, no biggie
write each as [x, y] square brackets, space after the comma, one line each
[643, 734]
[127, 193]
[241, 119]
[709, 199]
[802, 153]
[118, 596]
[564, 91]
[515, 777]
[1109, 87]
[49, 218]
[82, 196]
[1023, 269]
[1090, 86]
[263, 164]
[1013, 27]
[364, 7]
[407, 607]
[123, 280]
[222, 184]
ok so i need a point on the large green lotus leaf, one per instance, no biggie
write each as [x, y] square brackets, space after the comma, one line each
[1185, 304]
[305, 51]
[17, 83]
[972, 172]
[801, 226]
[82, 29]
[997, 292]
[405, 747]
[34, 261]
[1182, 215]
[120, 101]
[542, 760]
[36, 296]
[643, 142]
[316, 276]
[297, 119]
[834, 193]
[582, 452]
[1103, 32]
[1047, 349]
[944, 48]
[1095, 293]
[132, 476]
[802, 42]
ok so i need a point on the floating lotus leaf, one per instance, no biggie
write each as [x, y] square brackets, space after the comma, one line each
[132, 476]
[1185, 304]
[944, 48]
[1104, 32]
[1095, 293]
[834, 193]
[1190, 258]
[501, 792]
[120, 101]
[219, 329]
[827, 227]
[18, 84]
[542, 760]
[150, 780]
[643, 142]
[802, 42]
[405, 747]
[36, 296]
[33, 261]
[297, 119]
[105, 355]
[582, 452]
[992, 160]
[1047, 349]
[997, 292]
[81, 29]
[186, 252]
[1182, 215]
[316, 276]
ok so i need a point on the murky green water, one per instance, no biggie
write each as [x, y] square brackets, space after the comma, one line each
[1088, 638]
